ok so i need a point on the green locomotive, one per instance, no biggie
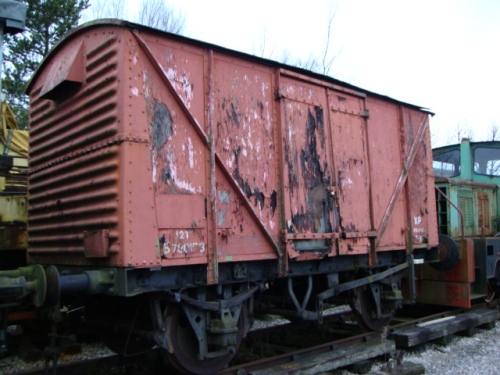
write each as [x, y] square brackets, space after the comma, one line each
[467, 177]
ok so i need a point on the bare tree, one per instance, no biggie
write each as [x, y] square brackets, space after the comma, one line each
[153, 13]
[262, 49]
[322, 64]
[328, 58]
[436, 138]
[286, 57]
[462, 130]
[311, 63]
[157, 14]
[108, 9]
[493, 132]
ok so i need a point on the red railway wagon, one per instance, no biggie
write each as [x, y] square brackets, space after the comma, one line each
[180, 180]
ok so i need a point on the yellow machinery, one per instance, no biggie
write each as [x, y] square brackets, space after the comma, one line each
[13, 190]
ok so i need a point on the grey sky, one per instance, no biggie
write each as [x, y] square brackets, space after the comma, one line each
[439, 54]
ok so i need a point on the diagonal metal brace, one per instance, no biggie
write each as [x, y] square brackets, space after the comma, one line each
[402, 179]
[321, 297]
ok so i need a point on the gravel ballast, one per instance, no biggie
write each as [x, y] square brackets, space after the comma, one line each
[476, 355]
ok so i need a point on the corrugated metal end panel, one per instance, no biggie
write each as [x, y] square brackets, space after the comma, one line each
[73, 186]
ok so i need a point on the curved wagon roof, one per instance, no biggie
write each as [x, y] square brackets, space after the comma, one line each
[194, 42]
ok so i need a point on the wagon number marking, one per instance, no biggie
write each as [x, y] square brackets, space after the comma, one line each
[183, 248]
[418, 221]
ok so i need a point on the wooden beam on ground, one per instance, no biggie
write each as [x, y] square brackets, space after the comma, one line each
[419, 334]
[332, 360]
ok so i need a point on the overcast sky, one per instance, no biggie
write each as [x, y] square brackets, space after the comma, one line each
[440, 54]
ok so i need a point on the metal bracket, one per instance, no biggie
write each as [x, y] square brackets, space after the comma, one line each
[337, 289]
[159, 323]
[220, 331]
[301, 308]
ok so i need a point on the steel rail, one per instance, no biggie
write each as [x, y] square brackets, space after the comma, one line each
[288, 359]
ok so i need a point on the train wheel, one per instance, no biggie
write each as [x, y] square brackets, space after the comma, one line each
[185, 345]
[365, 310]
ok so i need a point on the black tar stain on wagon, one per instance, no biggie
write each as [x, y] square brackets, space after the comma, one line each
[161, 125]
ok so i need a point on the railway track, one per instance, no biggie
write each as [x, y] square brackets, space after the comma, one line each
[405, 332]
[276, 350]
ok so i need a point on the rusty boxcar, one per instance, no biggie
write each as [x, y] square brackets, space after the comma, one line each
[180, 180]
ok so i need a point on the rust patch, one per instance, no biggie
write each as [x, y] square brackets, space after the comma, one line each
[312, 172]
[293, 181]
[232, 114]
[274, 201]
[13, 236]
[315, 215]
[237, 176]
[161, 130]
[259, 198]
[238, 213]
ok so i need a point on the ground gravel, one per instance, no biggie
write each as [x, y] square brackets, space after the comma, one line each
[13, 364]
[476, 355]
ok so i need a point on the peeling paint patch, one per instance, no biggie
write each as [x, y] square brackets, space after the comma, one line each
[161, 125]
[223, 196]
[222, 217]
[154, 173]
[306, 165]
[233, 116]
[169, 174]
[191, 153]
[237, 176]
[274, 201]
[312, 171]
[182, 85]
[186, 186]
[259, 198]
[245, 142]
[135, 91]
